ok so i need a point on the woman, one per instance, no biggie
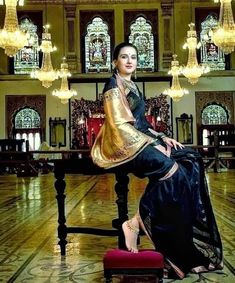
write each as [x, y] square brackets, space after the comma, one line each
[175, 210]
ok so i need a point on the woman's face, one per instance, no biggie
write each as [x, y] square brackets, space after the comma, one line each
[126, 62]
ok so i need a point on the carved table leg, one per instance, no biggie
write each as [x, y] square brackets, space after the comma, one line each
[60, 188]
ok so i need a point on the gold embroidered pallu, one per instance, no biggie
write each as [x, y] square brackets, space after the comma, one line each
[118, 141]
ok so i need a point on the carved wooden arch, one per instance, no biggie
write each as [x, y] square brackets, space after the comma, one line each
[16, 102]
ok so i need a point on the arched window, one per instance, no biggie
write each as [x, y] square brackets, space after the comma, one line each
[97, 47]
[27, 127]
[214, 114]
[27, 58]
[142, 37]
[210, 54]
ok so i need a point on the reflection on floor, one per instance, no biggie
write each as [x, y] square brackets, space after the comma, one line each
[28, 228]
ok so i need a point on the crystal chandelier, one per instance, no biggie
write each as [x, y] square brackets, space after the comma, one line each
[193, 70]
[12, 38]
[46, 74]
[64, 93]
[175, 91]
[224, 35]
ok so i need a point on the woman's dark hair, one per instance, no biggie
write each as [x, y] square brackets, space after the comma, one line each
[120, 46]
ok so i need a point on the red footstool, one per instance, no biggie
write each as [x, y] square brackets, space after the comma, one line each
[121, 262]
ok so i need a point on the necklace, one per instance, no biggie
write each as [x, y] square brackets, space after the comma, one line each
[129, 86]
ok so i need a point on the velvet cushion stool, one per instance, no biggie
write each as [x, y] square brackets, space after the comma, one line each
[122, 262]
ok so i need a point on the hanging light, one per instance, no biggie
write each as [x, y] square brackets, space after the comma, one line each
[12, 38]
[193, 70]
[64, 93]
[224, 35]
[175, 91]
[46, 74]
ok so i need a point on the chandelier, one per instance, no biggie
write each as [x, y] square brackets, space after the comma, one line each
[175, 91]
[193, 70]
[224, 35]
[64, 93]
[46, 74]
[12, 38]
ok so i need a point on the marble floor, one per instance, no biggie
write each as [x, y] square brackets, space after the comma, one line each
[29, 251]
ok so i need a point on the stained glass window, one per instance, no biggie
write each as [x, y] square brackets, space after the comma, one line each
[142, 37]
[27, 118]
[97, 47]
[210, 53]
[27, 58]
[214, 114]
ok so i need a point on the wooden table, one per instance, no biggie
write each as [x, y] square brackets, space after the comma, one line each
[85, 166]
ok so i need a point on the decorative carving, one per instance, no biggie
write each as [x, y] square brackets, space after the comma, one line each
[70, 11]
[167, 6]
[72, 63]
[158, 110]
[90, 1]
[87, 117]
[166, 59]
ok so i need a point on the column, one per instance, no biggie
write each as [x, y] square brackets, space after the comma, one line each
[71, 39]
[167, 7]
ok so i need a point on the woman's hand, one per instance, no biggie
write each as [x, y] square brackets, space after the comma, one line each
[172, 143]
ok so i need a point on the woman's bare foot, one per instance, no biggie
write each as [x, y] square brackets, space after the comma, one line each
[131, 230]
[213, 267]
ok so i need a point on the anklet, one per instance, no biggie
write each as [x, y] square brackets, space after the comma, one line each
[131, 228]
